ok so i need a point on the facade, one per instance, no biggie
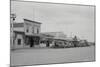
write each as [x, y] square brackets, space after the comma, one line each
[26, 34]
[18, 39]
[32, 33]
[59, 38]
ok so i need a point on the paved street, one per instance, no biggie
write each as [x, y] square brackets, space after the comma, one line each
[46, 56]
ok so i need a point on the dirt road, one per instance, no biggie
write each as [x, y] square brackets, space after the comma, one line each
[46, 56]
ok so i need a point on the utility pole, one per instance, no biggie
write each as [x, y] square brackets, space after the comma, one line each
[34, 14]
[12, 20]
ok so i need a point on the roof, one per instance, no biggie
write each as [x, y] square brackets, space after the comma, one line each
[22, 23]
[21, 29]
[18, 24]
[20, 32]
[56, 35]
[32, 21]
[46, 36]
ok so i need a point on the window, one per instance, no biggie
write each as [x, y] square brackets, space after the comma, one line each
[37, 30]
[27, 30]
[19, 41]
[32, 29]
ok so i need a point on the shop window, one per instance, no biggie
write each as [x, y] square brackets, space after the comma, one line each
[19, 41]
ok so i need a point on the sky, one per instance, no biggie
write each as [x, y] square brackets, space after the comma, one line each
[70, 19]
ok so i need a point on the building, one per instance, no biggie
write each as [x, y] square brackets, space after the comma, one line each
[59, 38]
[32, 32]
[26, 34]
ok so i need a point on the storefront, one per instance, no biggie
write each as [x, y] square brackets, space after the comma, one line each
[32, 41]
[46, 40]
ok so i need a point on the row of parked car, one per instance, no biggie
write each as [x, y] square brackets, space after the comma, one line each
[61, 43]
[68, 44]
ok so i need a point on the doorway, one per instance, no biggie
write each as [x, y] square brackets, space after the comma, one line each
[31, 42]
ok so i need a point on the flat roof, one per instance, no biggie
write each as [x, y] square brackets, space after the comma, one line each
[21, 32]
[32, 21]
[18, 24]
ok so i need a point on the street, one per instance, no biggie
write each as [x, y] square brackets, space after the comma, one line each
[51, 55]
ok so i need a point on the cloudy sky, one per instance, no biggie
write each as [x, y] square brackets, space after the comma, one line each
[70, 19]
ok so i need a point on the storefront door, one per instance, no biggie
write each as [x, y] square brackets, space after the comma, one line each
[31, 42]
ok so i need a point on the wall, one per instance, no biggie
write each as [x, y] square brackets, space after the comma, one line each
[19, 36]
[31, 26]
